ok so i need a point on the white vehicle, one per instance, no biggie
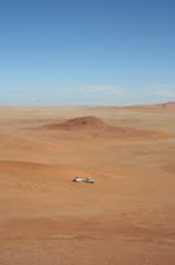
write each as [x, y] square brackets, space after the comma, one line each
[89, 180]
[78, 179]
[86, 180]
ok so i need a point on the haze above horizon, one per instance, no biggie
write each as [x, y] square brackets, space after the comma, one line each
[115, 52]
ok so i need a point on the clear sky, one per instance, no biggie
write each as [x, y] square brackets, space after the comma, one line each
[87, 52]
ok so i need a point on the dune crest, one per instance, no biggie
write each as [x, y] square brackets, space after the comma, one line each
[95, 127]
[90, 122]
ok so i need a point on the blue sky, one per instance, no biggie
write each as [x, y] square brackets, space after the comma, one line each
[87, 52]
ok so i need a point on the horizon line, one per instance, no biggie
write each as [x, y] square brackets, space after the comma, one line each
[89, 105]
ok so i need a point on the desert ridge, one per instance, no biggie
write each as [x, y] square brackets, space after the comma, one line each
[93, 126]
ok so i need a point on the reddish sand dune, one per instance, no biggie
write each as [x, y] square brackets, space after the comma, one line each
[89, 122]
[93, 126]
[151, 107]
[170, 105]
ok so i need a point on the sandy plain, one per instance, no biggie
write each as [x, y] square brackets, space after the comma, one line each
[127, 217]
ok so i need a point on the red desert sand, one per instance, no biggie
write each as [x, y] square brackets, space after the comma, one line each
[126, 217]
